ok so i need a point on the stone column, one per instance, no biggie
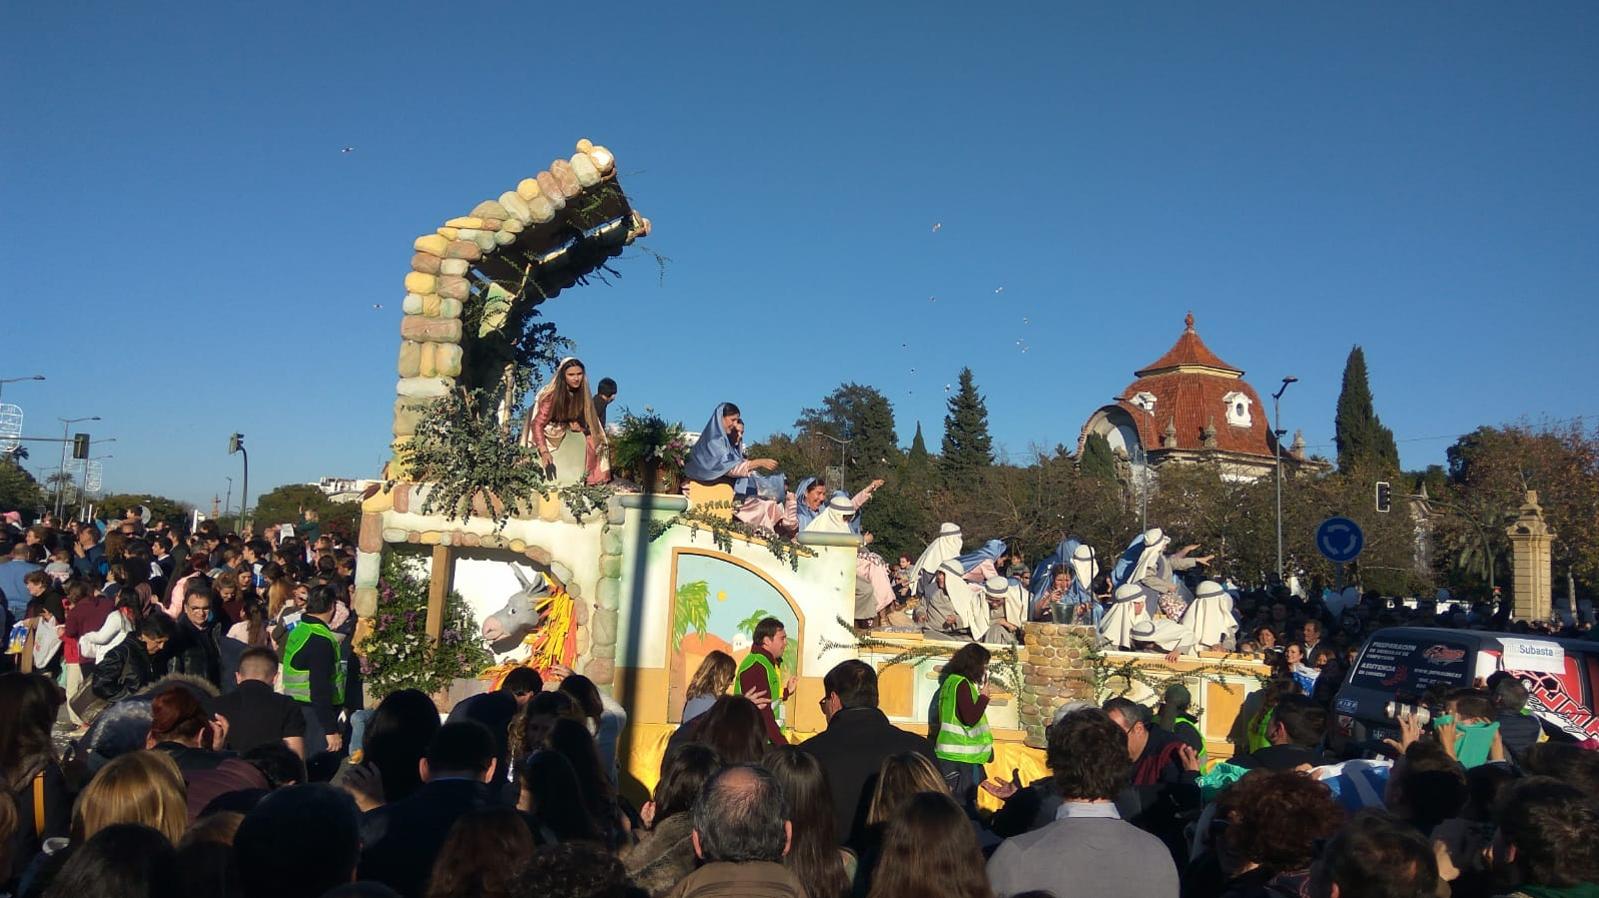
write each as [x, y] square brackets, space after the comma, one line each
[1532, 576]
[1055, 660]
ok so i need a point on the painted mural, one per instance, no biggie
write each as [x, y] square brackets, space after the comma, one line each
[716, 602]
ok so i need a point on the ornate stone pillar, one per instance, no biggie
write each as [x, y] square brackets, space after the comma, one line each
[1055, 659]
[1532, 577]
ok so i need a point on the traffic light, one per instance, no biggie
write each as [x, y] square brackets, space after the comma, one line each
[235, 443]
[80, 445]
[1385, 496]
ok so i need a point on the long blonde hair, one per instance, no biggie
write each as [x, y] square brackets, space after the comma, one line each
[900, 777]
[278, 594]
[713, 676]
[142, 787]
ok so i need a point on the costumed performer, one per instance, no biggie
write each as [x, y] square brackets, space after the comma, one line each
[983, 563]
[1005, 608]
[1127, 624]
[563, 406]
[1158, 571]
[874, 591]
[760, 500]
[951, 609]
[944, 547]
[1210, 617]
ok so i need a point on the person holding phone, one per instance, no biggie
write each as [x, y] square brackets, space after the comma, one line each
[962, 742]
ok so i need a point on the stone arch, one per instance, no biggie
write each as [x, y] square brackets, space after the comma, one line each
[552, 230]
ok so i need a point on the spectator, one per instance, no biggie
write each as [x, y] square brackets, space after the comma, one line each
[711, 681]
[899, 778]
[758, 675]
[88, 614]
[482, 857]
[605, 718]
[314, 671]
[1088, 851]
[1164, 776]
[257, 715]
[813, 853]
[1569, 763]
[496, 710]
[1271, 823]
[397, 737]
[1375, 856]
[734, 727]
[665, 851]
[1518, 730]
[124, 860]
[575, 870]
[604, 395]
[143, 787]
[1426, 787]
[741, 833]
[1296, 729]
[963, 743]
[14, 566]
[530, 729]
[127, 669]
[28, 707]
[930, 849]
[857, 740]
[205, 857]
[402, 838]
[182, 729]
[298, 842]
[281, 765]
[571, 739]
[551, 797]
[1175, 717]
[1547, 845]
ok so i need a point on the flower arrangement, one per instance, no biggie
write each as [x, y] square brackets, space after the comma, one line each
[648, 441]
[398, 654]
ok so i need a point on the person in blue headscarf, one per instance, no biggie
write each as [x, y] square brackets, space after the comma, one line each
[760, 500]
[1070, 586]
[983, 563]
[1123, 570]
[1043, 572]
[809, 500]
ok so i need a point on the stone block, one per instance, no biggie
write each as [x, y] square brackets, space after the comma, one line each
[422, 387]
[541, 209]
[607, 652]
[603, 627]
[608, 594]
[513, 226]
[378, 502]
[449, 308]
[580, 613]
[516, 206]
[542, 556]
[402, 497]
[447, 356]
[393, 535]
[615, 511]
[453, 267]
[413, 536]
[367, 566]
[527, 188]
[575, 590]
[449, 233]
[365, 600]
[518, 546]
[550, 508]
[410, 363]
[600, 670]
[430, 330]
[493, 224]
[465, 221]
[463, 249]
[492, 541]
[504, 238]
[433, 244]
[370, 536]
[412, 304]
[417, 282]
[583, 167]
[490, 209]
[454, 287]
[551, 190]
[467, 539]
[425, 364]
[485, 241]
[562, 170]
[610, 566]
[611, 541]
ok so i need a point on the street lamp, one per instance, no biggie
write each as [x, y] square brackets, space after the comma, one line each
[61, 471]
[1277, 452]
[12, 380]
[1143, 456]
[229, 500]
[236, 444]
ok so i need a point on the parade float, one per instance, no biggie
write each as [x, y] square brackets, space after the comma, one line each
[634, 587]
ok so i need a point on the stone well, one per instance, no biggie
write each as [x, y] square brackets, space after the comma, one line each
[1055, 669]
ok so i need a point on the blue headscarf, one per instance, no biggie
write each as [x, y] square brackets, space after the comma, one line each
[1043, 573]
[801, 510]
[715, 454]
[990, 551]
[1129, 559]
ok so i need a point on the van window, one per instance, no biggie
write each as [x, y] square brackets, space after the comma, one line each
[1409, 666]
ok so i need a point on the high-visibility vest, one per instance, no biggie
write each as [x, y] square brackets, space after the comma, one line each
[774, 690]
[957, 741]
[296, 680]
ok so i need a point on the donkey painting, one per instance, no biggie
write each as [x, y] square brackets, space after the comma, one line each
[522, 613]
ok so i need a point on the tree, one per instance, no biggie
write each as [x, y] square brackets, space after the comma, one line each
[1360, 435]
[18, 490]
[864, 418]
[918, 455]
[1098, 460]
[113, 507]
[968, 449]
[286, 504]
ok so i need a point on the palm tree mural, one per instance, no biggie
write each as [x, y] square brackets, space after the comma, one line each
[693, 610]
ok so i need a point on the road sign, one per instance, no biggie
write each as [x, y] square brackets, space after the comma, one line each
[10, 427]
[1340, 539]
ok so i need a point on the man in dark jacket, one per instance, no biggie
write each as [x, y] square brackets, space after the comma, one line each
[1518, 730]
[197, 648]
[403, 839]
[1297, 728]
[133, 664]
[857, 740]
[1164, 778]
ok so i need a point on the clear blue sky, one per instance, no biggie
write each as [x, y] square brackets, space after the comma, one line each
[186, 252]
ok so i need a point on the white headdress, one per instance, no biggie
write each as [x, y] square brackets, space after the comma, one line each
[969, 605]
[1085, 567]
[1155, 542]
[1210, 615]
[944, 547]
[834, 516]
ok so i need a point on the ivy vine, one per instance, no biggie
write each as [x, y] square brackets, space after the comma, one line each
[723, 529]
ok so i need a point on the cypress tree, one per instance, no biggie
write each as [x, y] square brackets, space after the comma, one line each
[918, 457]
[1362, 439]
[967, 446]
[1097, 461]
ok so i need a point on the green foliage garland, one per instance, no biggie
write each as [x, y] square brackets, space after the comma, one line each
[723, 530]
[398, 654]
[646, 441]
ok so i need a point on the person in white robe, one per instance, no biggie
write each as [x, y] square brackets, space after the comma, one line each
[944, 547]
[1128, 624]
[1005, 607]
[953, 609]
[1158, 571]
[1210, 617]
[874, 591]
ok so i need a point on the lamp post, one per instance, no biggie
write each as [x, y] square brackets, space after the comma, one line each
[1277, 452]
[1143, 461]
[61, 470]
[12, 380]
[229, 500]
[236, 444]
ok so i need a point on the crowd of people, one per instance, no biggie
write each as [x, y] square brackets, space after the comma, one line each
[181, 716]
